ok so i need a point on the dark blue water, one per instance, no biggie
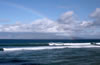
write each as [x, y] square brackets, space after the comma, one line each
[78, 56]
[37, 42]
[48, 56]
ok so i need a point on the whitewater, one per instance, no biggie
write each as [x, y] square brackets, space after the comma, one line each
[55, 46]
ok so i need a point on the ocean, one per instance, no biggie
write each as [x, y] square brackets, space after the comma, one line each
[39, 52]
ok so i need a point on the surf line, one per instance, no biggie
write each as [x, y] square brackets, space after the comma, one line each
[54, 46]
[75, 44]
[34, 48]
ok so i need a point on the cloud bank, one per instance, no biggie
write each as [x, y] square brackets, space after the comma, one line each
[66, 25]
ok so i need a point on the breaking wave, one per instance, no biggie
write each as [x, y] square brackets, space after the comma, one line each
[55, 46]
[33, 48]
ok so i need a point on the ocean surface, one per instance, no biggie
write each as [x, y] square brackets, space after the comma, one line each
[39, 52]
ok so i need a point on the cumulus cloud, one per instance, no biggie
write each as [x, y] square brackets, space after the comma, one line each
[85, 28]
[96, 13]
[96, 17]
[40, 25]
[67, 18]
[86, 23]
[70, 24]
[66, 25]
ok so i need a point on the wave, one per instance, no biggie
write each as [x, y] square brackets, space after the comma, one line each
[55, 46]
[45, 44]
[76, 45]
[64, 44]
[33, 48]
[45, 48]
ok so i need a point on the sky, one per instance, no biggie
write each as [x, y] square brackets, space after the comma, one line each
[65, 19]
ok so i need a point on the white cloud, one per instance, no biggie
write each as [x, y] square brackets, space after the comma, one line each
[45, 25]
[41, 25]
[77, 28]
[66, 25]
[86, 24]
[96, 13]
[96, 17]
[67, 18]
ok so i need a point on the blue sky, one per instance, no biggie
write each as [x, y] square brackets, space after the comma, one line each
[27, 12]
[14, 9]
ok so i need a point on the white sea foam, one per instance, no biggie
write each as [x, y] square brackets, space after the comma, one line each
[98, 43]
[34, 48]
[43, 48]
[87, 46]
[65, 45]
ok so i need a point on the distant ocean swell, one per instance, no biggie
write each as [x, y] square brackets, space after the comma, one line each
[44, 44]
[28, 42]
[41, 44]
[24, 44]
